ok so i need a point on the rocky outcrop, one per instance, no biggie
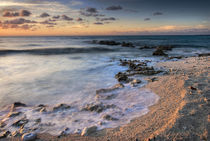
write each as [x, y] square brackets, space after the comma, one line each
[159, 52]
[97, 107]
[61, 107]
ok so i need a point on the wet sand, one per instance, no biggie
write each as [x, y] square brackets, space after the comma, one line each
[182, 112]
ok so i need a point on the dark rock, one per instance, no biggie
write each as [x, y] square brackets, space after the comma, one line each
[20, 122]
[204, 54]
[61, 107]
[17, 104]
[89, 130]
[5, 134]
[147, 47]
[28, 137]
[108, 117]
[38, 120]
[117, 86]
[97, 107]
[14, 114]
[165, 48]
[122, 77]
[175, 57]
[152, 79]
[193, 88]
[135, 82]
[124, 44]
[63, 133]
[110, 43]
[159, 52]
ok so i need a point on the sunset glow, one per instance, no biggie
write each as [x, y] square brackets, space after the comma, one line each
[90, 17]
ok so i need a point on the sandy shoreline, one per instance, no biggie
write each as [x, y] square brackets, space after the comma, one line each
[180, 114]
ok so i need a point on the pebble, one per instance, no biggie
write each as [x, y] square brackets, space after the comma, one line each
[88, 130]
[28, 136]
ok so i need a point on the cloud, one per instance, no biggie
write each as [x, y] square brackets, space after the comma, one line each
[56, 17]
[91, 10]
[18, 21]
[66, 18]
[157, 13]
[21, 13]
[79, 19]
[113, 8]
[25, 13]
[48, 22]
[147, 19]
[98, 23]
[76, 3]
[44, 15]
[107, 19]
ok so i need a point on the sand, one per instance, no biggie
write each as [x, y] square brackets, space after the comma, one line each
[182, 112]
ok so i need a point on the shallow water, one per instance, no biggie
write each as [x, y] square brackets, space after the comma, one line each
[53, 70]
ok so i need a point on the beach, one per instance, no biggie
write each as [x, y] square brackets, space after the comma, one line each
[156, 95]
[182, 112]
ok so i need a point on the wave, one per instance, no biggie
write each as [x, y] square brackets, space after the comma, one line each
[55, 51]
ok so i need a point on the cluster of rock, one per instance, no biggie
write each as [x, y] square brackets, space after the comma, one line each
[136, 67]
[27, 134]
[113, 43]
[159, 50]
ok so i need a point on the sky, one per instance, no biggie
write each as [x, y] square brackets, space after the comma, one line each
[104, 17]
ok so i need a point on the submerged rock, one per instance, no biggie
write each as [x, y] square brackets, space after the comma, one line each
[147, 47]
[135, 82]
[108, 117]
[64, 132]
[28, 137]
[117, 86]
[124, 44]
[97, 107]
[110, 43]
[89, 130]
[165, 48]
[17, 104]
[204, 54]
[159, 52]
[61, 107]
[122, 77]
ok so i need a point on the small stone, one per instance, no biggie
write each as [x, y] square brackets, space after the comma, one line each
[64, 132]
[77, 131]
[38, 120]
[108, 117]
[193, 88]
[61, 107]
[14, 114]
[20, 122]
[88, 130]
[29, 136]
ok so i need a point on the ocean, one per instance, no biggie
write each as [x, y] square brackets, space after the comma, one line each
[55, 70]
